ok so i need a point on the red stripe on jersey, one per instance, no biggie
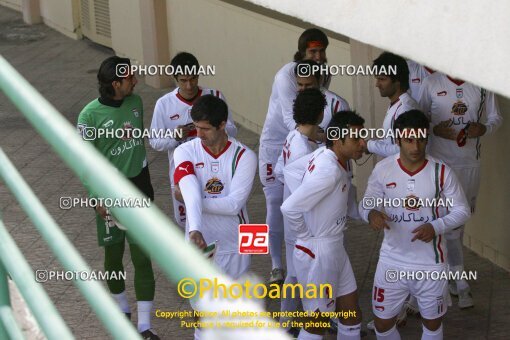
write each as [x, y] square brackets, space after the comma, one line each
[439, 248]
[412, 173]
[221, 152]
[183, 169]
[186, 101]
[429, 70]
[456, 82]
[217, 93]
[306, 250]
[442, 177]
[239, 156]
[336, 106]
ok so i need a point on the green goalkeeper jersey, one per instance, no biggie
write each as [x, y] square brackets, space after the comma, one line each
[112, 132]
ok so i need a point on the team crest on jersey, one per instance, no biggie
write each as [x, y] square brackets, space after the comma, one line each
[459, 108]
[215, 166]
[199, 165]
[128, 127]
[460, 93]
[416, 80]
[391, 185]
[214, 186]
[174, 117]
[442, 93]
[412, 203]
[136, 113]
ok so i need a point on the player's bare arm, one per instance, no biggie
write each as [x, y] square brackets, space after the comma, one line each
[444, 130]
[101, 211]
[424, 233]
[178, 193]
[377, 220]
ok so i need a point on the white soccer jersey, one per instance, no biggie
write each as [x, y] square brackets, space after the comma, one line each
[390, 180]
[334, 103]
[224, 181]
[318, 207]
[387, 147]
[279, 118]
[444, 98]
[296, 146]
[417, 74]
[173, 110]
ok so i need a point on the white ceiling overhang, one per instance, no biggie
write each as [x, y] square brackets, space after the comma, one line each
[466, 39]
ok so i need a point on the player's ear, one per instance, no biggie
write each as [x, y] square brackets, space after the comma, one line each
[222, 125]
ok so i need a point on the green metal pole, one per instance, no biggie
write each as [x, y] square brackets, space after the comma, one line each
[11, 326]
[102, 303]
[5, 299]
[43, 309]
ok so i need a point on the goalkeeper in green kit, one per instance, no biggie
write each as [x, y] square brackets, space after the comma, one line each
[118, 109]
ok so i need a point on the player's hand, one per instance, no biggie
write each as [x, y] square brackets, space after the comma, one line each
[186, 129]
[101, 211]
[178, 194]
[444, 130]
[424, 233]
[476, 130]
[197, 238]
[365, 148]
[377, 220]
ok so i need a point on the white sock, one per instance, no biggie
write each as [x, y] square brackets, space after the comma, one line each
[392, 334]
[274, 218]
[304, 335]
[432, 335]
[144, 315]
[122, 301]
[348, 332]
[198, 333]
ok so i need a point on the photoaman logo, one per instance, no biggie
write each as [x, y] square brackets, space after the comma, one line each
[253, 239]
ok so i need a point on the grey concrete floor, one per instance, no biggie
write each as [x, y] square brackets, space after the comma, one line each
[64, 71]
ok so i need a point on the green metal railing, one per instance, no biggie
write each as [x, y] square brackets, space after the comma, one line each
[156, 234]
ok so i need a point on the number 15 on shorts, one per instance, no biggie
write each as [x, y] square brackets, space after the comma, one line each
[253, 239]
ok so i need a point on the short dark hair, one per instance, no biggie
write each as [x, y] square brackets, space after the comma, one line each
[108, 73]
[343, 120]
[387, 59]
[183, 62]
[210, 108]
[309, 35]
[314, 69]
[412, 119]
[308, 106]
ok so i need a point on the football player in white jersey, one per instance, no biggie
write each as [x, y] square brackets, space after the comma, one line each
[393, 86]
[312, 45]
[417, 74]
[317, 213]
[413, 231]
[308, 113]
[460, 113]
[214, 174]
[172, 112]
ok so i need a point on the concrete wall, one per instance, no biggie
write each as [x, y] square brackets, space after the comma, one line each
[126, 29]
[62, 16]
[487, 231]
[14, 4]
[247, 49]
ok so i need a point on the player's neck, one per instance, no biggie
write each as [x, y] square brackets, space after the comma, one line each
[189, 98]
[394, 98]
[218, 147]
[308, 130]
[410, 165]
